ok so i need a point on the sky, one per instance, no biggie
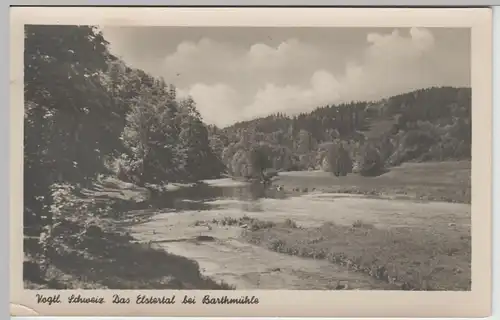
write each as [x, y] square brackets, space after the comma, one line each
[239, 73]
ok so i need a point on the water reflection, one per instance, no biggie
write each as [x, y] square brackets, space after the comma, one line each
[199, 196]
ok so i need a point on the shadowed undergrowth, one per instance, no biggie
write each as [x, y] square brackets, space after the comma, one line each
[113, 261]
[89, 252]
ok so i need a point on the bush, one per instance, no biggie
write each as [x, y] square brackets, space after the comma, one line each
[371, 162]
[128, 170]
[258, 225]
[338, 160]
[69, 222]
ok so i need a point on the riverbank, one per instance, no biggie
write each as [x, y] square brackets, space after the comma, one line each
[223, 255]
[118, 263]
[405, 235]
[189, 236]
[409, 258]
[430, 181]
[102, 255]
[115, 262]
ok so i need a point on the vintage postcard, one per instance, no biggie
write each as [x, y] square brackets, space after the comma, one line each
[251, 162]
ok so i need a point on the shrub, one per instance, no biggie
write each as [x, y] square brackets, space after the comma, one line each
[290, 223]
[338, 160]
[69, 222]
[371, 162]
[258, 225]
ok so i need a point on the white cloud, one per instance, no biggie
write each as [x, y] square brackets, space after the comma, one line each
[221, 104]
[232, 81]
[288, 54]
[206, 61]
[217, 103]
[397, 50]
[323, 88]
[392, 63]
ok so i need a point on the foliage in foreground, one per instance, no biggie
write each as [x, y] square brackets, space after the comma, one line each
[90, 251]
[87, 113]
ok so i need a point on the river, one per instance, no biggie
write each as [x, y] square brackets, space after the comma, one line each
[172, 226]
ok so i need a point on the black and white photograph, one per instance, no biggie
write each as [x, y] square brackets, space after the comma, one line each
[247, 157]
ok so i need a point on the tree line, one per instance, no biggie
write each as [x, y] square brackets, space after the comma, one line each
[431, 124]
[88, 113]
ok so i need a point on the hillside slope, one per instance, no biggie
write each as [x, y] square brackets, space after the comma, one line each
[422, 125]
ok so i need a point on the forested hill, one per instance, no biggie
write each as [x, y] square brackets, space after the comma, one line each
[427, 124]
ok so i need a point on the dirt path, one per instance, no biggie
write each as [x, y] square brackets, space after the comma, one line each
[250, 267]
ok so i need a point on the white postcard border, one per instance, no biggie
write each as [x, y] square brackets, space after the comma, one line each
[277, 302]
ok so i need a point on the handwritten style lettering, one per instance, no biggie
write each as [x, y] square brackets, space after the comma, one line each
[188, 300]
[40, 298]
[119, 300]
[143, 299]
[86, 300]
[226, 300]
